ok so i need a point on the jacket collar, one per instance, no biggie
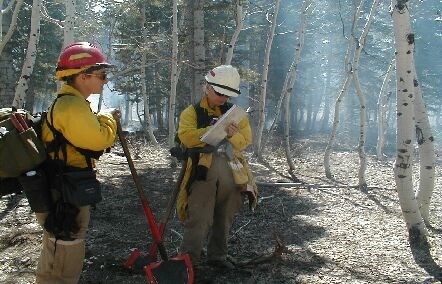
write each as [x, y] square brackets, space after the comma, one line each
[205, 104]
[68, 89]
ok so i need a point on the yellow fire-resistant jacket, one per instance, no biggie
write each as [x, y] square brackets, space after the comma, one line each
[73, 117]
[189, 136]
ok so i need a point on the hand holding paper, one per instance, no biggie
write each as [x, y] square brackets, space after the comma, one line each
[226, 125]
[232, 129]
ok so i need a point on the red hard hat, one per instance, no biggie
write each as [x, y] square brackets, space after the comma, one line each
[78, 57]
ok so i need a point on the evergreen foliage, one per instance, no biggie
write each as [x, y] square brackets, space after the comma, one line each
[116, 26]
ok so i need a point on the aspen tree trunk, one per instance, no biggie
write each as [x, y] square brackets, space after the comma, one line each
[382, 113]
[362, 133]
[308, 113]
[343, 92]
[353, 76]
[31, 54]
[362, 100]
[262, 103]
[199, 52]
[404, 42]
[127, 110]
[148, 129]
[326, 111]
[69, 23]
[173, 75]
[332, 137]
[1, 18]
[239, 26]
[347, 111]
[278, 105]
[315, 113]
[427, 159]
[292, 79]
[13, 24]
[349, 54]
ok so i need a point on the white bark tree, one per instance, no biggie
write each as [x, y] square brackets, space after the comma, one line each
[239, 25]
[148, 128]
[69, 23]
[404, 45]
[427, 159]
[382, 112]
[173, 74]
[349, 54]
[262, 100]
[352, 76]
[31, 54]
[199, 52]
[13, 25]
[291, 79]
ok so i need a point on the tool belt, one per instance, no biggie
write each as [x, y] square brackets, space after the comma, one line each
[76, 186]
[36, 188]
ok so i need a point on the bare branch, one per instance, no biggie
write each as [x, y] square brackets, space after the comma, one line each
[8, 8]
[45, 16]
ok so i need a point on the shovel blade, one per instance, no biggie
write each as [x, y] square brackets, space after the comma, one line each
[176, 270]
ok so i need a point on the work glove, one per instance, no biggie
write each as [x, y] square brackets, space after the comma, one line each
[251, 192]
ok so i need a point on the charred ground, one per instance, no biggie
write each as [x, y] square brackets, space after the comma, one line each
[324, 231]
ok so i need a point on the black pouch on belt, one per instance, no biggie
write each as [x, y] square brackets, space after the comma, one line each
[80, 188]
[36, 188]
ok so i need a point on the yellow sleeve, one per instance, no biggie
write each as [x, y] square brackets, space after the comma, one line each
[243, 138]
[187, 129]
[81, 126]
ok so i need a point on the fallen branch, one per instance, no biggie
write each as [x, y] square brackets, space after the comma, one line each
[176, 233]
[239, 229]
[265, 197]
[263, 183]
[279, 249]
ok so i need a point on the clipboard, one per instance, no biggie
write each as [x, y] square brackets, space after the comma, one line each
[217, 132]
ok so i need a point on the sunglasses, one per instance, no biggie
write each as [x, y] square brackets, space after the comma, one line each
[102, 76]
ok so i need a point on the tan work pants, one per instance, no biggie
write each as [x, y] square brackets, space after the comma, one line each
[60, 261]
[212, 204]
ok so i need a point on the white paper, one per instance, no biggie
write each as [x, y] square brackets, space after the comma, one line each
[218, 131]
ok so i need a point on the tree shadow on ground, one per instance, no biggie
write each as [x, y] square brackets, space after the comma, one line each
[13, 200]
[379, 195]
[120, 224]
[420, 248]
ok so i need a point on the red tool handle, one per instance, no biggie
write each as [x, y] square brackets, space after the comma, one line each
[21, 120]
[147, 211]
[153, 248]
[16, 123]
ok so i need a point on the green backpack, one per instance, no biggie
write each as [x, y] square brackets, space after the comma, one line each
[21, 150]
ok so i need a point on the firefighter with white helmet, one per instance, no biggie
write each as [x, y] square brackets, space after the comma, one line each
[209, 196]
[82, 67]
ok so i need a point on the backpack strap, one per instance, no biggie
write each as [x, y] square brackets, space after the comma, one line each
[203, 119]
[60, 142]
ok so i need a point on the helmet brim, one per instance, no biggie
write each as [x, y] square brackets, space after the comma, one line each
[105, 65]
[224, 91]
[220, 89]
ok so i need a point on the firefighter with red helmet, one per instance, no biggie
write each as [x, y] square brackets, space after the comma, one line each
[83, 69]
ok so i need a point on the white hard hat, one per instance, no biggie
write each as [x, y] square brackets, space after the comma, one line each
[225, 80]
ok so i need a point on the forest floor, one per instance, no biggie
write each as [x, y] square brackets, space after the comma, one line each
[330, 230]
